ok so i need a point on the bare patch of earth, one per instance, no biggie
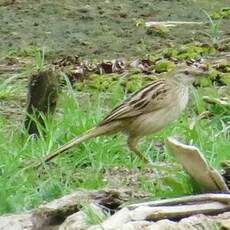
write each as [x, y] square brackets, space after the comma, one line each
[95, 28]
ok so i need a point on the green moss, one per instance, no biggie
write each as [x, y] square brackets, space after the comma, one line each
[227, 68]
[170, 52]
[160, 31]
[214, 74]
[164, 66]
[189, 51]
[135, 82]
[204, 82]
[96, 82]
[226, 78]
[192, 52]
[135, 70]
[224, 67]
[110, 82]
[100, 82]
[222, 13]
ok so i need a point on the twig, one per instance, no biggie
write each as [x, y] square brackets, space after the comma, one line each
[170, 23]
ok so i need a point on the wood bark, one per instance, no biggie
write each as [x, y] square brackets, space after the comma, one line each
[41, 99]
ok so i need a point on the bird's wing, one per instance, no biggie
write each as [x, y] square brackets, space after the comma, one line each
[148, 99]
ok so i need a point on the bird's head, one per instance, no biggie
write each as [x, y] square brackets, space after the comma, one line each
[189, 74]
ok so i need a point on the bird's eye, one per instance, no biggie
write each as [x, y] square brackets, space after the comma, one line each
[186, 72]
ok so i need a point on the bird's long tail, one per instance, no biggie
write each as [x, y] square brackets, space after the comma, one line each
[97, 131]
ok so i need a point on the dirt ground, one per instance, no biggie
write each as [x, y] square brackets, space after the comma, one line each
[98, 28]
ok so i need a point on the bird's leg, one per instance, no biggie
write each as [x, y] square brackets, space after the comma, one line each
[132, 143]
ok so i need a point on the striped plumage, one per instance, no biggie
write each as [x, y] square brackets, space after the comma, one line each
[140, 100]
[147, 111]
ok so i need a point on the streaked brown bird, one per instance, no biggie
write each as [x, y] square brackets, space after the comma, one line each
[147, 111]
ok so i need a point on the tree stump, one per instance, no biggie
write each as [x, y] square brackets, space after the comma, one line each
[41, 100]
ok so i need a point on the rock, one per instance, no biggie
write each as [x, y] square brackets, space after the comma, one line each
[117, 220]
[19, 222]
[163, 225]
[136, 225]
[72, 203]
[80, 220]
[76, 221]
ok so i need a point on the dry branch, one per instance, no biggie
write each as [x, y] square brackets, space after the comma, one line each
[170, 23]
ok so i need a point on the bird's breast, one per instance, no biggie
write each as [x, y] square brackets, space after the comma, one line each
[182, 99]
[152, 122]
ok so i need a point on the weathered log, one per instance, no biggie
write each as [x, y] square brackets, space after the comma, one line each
[41, 99]
[222, 198]
[170, 209]
[177, 212]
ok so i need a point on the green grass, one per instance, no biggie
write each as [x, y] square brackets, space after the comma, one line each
[215, 32]
[86, 165]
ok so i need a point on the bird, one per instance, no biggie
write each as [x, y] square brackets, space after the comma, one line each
[146, 111]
